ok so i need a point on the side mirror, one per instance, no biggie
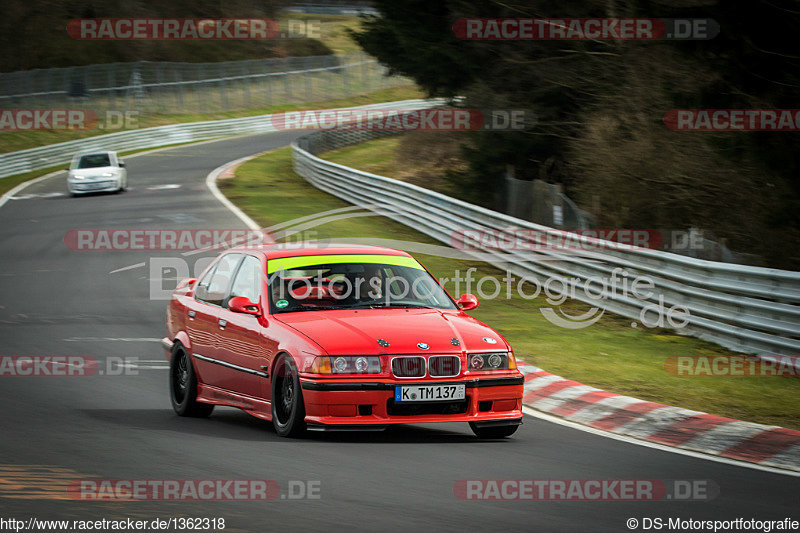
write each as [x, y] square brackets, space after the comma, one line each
[240, 304]
[185, 283]
[467, 302]
[121, 164]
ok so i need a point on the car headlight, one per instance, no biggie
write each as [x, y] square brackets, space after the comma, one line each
[75, 176]
[492, 361]
[347, 364]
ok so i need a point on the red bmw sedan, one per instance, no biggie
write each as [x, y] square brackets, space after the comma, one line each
[336, 337]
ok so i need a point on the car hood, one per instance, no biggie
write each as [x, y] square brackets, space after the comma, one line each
[350, 332]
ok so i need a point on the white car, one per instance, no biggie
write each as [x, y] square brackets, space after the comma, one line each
[97, 172]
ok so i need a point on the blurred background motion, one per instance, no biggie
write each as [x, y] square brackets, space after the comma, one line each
[600, 142]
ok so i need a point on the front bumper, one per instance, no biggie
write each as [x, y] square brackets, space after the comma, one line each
[351, 404]
[86, 186]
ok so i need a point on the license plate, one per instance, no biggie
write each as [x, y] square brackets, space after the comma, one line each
[429, 393]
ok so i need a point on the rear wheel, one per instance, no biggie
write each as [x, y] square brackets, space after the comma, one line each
[288, 410]
[183, 386]
[493, 432]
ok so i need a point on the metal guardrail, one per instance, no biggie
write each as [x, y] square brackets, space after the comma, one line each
[748, 309]
[332, 8]
[57, 154]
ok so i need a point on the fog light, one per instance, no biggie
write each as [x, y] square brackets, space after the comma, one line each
[340, 363]
[362, 364]
[476, 362]
[495, 361]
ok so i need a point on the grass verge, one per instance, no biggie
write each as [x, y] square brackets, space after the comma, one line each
[609, 354]
[22, 140]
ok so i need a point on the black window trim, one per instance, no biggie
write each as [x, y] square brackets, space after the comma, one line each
[227, 291]
[227, 297]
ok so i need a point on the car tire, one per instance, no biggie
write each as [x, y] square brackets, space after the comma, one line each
[288, 409]
[493, 432]
[183, 386]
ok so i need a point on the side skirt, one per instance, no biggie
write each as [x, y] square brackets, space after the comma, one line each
[257, 407]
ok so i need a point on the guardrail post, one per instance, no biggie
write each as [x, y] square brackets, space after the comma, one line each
[287, 83]
[309, 79]
[179, 79]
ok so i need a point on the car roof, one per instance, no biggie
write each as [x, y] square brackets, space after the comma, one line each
[98, 152]
[280, 250]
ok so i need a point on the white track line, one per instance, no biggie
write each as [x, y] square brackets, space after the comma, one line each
[211, 183]
[7, 196]
[744, 464]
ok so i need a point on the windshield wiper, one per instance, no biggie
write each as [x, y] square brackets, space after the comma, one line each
[363, 306]
[312, 308]
[411, 306]
[401, 305]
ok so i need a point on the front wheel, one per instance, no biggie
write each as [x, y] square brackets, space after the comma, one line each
[493, 432]
[288, 409]
[183, 387]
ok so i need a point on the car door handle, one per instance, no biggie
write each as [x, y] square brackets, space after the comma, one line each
[223, 323]
[191, 314]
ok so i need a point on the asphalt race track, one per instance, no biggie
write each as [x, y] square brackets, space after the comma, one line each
[57, 301]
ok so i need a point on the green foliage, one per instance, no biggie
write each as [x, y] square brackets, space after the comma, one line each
[33, 33]
[600, 108]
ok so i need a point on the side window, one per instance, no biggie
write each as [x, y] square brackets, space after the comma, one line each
[201, 293]
[248, 280]
[219, 281]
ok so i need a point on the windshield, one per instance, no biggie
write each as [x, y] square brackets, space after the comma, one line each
[93, 161]
[310, 283]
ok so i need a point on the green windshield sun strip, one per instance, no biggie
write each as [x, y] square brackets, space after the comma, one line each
[290, 263]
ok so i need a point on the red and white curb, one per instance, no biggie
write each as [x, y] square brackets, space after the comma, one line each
[771, 446]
